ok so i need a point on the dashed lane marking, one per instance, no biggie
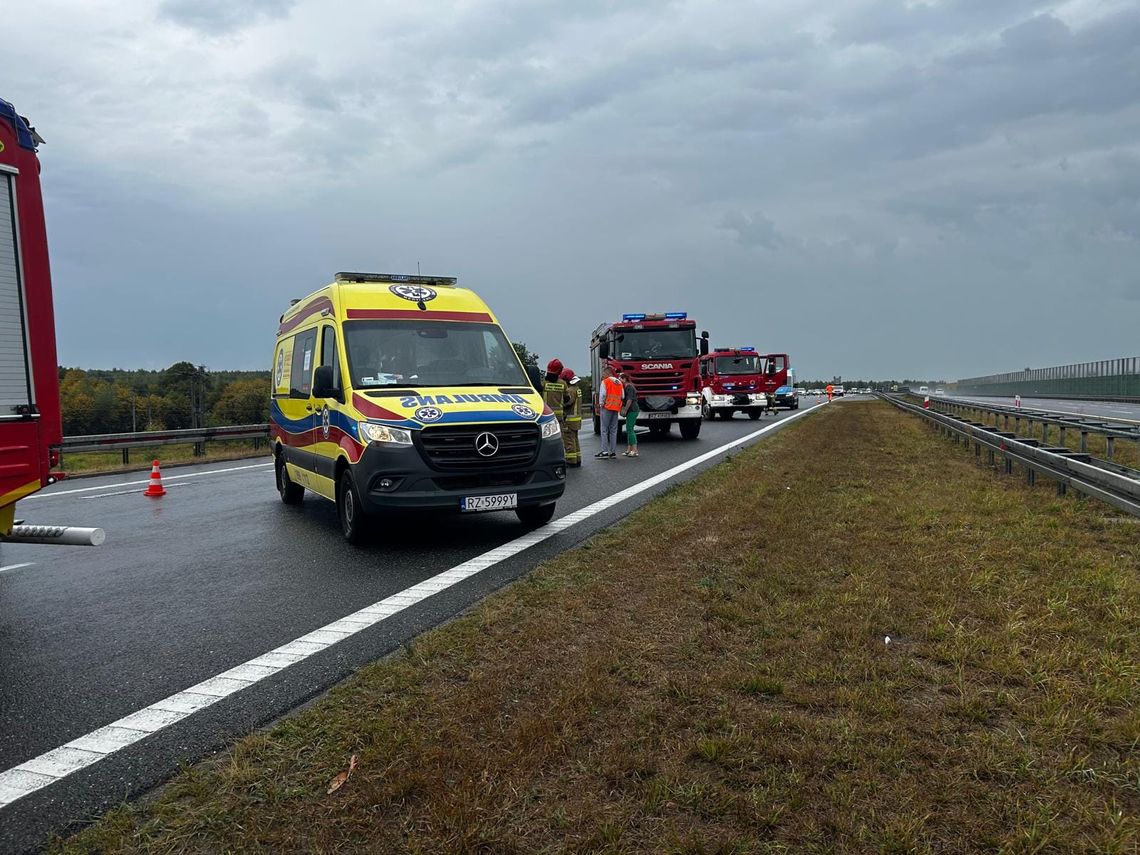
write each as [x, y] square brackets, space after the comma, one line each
[46, 769]
[16, 566]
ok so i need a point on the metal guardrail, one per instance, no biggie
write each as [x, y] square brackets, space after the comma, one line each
[1110, 429]
[1117, 485]
[146, 439]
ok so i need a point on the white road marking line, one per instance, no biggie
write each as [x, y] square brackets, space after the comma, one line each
[16, 566]
[165, 478]
[46, 769]
[124, 492]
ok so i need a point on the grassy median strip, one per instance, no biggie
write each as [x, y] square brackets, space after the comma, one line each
[713, 675]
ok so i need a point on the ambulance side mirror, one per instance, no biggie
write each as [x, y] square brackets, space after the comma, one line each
[323, 383]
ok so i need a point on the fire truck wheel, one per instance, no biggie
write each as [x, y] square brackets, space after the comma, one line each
[291, 494]
[690, 429]
[755, 414]
[658, 429]
[533, 516]
[353, 520]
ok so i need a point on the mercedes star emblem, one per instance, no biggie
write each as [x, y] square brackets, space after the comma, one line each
[487, 444]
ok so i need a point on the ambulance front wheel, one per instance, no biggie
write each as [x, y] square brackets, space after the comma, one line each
[291, 494]
[533, 516]
[353, 519]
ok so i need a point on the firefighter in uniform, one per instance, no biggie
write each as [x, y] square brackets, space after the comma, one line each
[573, 422]
[554, 394]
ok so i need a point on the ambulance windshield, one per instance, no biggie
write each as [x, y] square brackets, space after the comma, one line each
[738, 365]
[656, 344]
[430, 353]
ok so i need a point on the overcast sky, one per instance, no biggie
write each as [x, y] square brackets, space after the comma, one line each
[879, 188]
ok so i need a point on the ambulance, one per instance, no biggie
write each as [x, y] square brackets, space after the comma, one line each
[394, 392]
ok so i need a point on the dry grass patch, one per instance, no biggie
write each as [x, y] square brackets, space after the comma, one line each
[712, 676]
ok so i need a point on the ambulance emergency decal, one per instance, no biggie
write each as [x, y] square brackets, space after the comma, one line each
[524, 411]
[414, 293]
[429, 414]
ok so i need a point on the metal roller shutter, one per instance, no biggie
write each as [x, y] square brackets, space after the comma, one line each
[14, 373]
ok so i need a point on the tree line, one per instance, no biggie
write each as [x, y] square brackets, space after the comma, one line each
[95, 401]
[182, 396]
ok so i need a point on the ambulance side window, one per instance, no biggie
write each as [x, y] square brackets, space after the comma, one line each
[304, 353]
[329, 354]
[281, 368]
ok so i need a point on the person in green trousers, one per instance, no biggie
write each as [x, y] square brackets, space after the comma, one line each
[630, 411]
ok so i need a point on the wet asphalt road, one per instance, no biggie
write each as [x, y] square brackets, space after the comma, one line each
[219, 572]
[1091, 409]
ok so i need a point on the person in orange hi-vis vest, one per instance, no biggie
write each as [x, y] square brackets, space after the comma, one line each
[830, 391]
[609, 396]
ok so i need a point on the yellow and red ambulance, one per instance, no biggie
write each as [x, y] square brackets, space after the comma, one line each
[397, 392]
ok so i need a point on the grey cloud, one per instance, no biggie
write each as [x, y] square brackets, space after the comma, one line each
[753, 230]
[218, 17]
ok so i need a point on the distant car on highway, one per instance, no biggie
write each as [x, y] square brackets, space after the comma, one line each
[939, 391]
[838, 391]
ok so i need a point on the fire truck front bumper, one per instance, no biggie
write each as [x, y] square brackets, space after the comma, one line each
[743, 401]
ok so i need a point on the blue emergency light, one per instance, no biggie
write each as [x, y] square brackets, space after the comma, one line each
[748, 350]
[640, 317]
[676, 316]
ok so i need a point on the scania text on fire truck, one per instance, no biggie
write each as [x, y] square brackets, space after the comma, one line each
[30, 432]
[732, 380]
[660, 354]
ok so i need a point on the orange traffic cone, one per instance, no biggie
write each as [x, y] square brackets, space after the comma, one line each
[155, 489]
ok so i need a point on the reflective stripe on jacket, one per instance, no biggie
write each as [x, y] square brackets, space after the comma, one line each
[574, 406]
[553, 393]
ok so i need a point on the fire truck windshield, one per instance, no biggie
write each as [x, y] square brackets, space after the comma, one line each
[738, 365]
[656, 344]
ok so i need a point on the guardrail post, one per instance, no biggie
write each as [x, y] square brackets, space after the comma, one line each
[1110, 442]
[199, 449]
[1062, 442]
[126, 455]
[1008, 465]
[1062, 488]
[1045, 432]
[990, 456]
[1084, 442]
[1030, 476]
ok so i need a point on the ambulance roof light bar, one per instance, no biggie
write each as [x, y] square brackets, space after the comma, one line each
[398, 278]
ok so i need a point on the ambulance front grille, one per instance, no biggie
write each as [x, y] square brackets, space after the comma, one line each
[452, 447]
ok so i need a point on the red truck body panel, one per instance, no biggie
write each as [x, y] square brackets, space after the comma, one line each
[30, 425]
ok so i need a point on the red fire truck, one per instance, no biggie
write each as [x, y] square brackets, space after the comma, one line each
[660, 353]
[778, 380]
[30, 432]
[733, 380]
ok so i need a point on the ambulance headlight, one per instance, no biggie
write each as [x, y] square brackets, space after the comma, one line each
[383, 433]
[550, 429]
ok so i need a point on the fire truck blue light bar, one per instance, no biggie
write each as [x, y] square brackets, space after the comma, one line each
[639, 317]
[676, 316]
